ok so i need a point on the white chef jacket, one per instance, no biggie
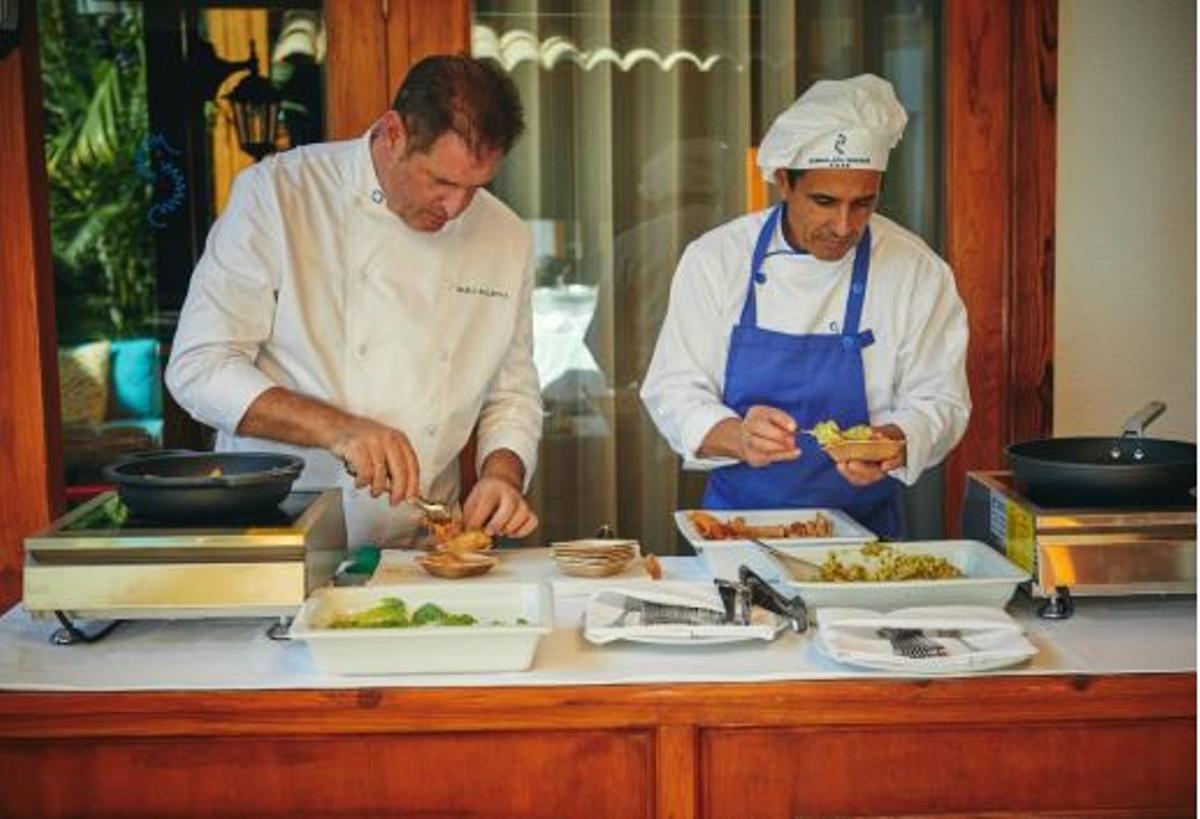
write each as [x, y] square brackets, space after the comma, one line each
[309, 282]
[915, 371]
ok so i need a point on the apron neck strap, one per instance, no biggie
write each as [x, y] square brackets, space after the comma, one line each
[749, 306]
[858, 285]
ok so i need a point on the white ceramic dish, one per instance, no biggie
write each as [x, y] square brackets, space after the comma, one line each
[845, 528]
[430, 649]
[989, 578]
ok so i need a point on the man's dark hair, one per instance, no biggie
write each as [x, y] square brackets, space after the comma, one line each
[470, 97]
[793, 174]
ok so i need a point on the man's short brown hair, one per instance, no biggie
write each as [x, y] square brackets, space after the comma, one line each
[470, 97]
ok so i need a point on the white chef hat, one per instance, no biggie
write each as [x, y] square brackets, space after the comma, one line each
[850, 123]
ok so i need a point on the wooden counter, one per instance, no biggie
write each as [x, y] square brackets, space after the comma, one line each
[1116, 745]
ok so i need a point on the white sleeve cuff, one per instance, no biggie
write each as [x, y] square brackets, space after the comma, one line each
[916, 449]
[696, 428]
[241, 385]
[521, 445]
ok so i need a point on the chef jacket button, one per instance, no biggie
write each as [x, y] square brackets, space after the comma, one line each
[377, 196]
[431, 430]
[362, 350]
[444, 356]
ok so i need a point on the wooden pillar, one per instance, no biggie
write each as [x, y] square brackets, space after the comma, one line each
[31, 487]
[1001, 75]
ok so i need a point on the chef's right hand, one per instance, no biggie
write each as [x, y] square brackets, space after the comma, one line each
[379, 457]
[768, 435]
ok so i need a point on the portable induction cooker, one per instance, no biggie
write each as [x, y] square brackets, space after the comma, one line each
[1080, 550]
[98, 562]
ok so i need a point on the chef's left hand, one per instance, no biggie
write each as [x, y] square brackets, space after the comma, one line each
[495, 503]
[865, 473]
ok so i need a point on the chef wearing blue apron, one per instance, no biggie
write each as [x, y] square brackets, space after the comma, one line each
[818, 309]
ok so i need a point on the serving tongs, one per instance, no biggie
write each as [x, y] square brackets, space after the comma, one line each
[766, 596]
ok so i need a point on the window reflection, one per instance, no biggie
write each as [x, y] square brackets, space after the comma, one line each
[642, 117]
[140, 155]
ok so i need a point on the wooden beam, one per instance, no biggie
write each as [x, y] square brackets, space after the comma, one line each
[1031, 317]
[31, 481]
[356, 79]
[978, 230]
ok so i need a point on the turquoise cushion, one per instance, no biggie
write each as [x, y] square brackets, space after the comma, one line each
[136, 385]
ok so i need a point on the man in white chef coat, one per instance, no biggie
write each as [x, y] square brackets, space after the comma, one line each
[366, 305]
[817, 309]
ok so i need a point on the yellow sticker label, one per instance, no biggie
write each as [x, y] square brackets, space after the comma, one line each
[1018, 536]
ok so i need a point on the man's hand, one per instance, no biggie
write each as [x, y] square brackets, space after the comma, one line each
[496, 504]
[768, 435]
[379, 457]
[764, 436]
[865, 473]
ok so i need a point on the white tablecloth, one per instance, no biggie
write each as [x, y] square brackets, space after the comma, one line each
[1106, 636]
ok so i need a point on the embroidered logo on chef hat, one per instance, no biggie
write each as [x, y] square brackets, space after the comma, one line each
[837, 124]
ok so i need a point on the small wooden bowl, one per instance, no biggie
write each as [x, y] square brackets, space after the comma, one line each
[454, 565]
[875, 451]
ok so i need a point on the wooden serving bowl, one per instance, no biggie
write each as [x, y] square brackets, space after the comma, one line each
[455, 565]
[882, 449]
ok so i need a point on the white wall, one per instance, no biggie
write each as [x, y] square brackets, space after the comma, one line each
[1125, 296]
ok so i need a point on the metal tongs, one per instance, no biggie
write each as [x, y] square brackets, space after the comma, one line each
[764, 595]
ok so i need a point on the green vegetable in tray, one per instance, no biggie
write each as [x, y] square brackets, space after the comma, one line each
[392, 612]
[432, 614]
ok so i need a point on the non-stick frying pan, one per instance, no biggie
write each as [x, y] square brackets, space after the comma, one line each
[1125, 470]
[209, 487]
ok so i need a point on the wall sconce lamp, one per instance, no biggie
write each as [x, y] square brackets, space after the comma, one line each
[254, 100]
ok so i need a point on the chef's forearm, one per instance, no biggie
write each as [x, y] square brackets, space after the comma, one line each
[724, 440]
[282, 415]
[505, 465]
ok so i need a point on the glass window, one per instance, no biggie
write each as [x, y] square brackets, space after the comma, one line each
[141, 151]
[642, 119]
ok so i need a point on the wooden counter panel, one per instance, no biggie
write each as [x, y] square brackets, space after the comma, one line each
[547, 774]
[391, 710]
[1136, 767]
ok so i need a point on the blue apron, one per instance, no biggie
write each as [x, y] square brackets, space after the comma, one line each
[811, 377]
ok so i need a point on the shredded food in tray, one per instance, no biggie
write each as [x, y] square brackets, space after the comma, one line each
[711, 527]
[828, 433]
[883, 563]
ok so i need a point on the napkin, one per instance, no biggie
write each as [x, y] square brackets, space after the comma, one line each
[605, 610]
[984, 638]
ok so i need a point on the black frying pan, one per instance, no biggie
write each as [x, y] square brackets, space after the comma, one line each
[210, 487]
[1105, 472]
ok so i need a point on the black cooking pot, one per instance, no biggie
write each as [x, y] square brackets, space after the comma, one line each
[211, 487]
[1084, 471]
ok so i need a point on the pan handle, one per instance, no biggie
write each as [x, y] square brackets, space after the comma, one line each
[1137, 423]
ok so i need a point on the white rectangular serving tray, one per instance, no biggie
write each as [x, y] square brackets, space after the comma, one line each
[989, 578]
[845, 528]
[428, 649]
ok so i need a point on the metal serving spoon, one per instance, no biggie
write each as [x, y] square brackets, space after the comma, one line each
[800, 568]
[435, 511]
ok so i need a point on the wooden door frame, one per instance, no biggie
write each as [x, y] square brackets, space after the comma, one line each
[1001, 78]
[1001, 89]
